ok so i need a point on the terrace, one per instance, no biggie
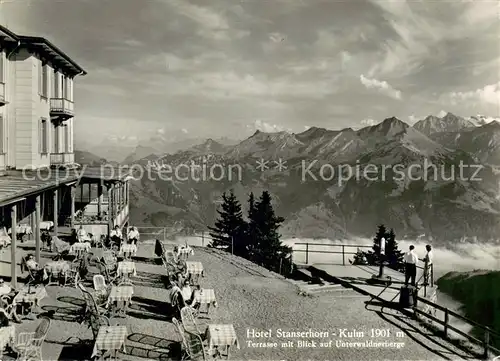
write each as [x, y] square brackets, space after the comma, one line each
[46, 199]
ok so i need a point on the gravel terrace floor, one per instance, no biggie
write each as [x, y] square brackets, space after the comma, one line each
[250, 298]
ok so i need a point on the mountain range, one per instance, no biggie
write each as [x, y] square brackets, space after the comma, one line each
[318, 204]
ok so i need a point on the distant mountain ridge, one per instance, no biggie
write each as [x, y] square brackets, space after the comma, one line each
[448, 123]
[441, 209]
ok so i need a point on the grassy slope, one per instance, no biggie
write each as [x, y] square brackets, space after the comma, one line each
[479, 292]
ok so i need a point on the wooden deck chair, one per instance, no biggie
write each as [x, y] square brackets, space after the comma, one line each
[170, 257]
[7, 305]
[92, 313]
[184, 344]
[196, 348]
[29, 344]
[101, 289]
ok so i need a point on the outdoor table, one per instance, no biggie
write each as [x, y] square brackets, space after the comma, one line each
[46, 225]
[79, 248]
[56, 269]
[22, 229]
[121, 296]
[34, 297]
[184, 252]
[126, 268]
[221, 336]
[5, 289]
[128, 250]
[195, 268]
[110, 338]
[7, 337]
[205, 296]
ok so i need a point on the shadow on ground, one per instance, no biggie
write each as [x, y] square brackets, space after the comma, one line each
[422, 336]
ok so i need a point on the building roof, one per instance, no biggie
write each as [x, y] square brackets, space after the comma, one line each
[46, 48]
[16, 185]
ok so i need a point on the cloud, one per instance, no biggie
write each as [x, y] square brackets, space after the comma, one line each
[369, 122]
[225, 85]
[267, 127]
[412, 119]
[442, 113]
[382, 86]
[211, 22]
[489, 94]
[160, 131]
[184, 130]
[306, 127]
[418, 34]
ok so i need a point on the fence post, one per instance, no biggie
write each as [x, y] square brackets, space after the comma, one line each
[343, 255]
[232, 245]
[486, 343]
[203, 238]
[281, 262]
[164, 233]
[446, 321]
[307, 253]
[432, 275]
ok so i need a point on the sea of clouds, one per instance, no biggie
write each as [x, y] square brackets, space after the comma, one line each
[461, 257]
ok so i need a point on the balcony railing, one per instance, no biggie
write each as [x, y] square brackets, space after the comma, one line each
[2, 94]
[62, 108]
[62, 158]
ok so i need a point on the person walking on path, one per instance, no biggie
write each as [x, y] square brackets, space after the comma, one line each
[411, 260]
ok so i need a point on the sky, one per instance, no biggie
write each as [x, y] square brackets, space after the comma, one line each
[225, 68]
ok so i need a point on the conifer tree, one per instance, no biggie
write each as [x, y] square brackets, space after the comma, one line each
[265, 225]
[251, 227]
[229, 229]
[394, 255]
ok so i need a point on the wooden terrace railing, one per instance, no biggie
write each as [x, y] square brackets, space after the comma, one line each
[488, 332]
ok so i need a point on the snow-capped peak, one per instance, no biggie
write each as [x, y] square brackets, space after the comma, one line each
[480, 120]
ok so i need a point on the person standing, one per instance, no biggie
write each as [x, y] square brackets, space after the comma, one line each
[133, 235]
[411, 260]
[428, 267]
[116, 236]
[381, 258]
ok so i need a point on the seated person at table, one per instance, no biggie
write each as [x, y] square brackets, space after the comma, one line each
[46, 239]
[35, 269]
[187, 292]
[82, 235]
[116, 235]
[179, 279]
[133, 235]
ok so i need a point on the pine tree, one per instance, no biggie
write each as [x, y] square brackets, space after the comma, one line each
[359, 258]
[229, 229]
[265, 225]
[373, 256]
[394, 255]
[251, 227]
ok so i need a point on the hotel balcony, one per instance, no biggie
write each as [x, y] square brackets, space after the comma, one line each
[61, 109]
[2, 94]
[96, 213]
[62, 158]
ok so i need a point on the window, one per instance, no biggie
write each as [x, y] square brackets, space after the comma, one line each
[2, 77]
[65, 87]
[67, 139]
[55, 85]
[2, 135]
[56, 138]
[43, 84]
[43, 136]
